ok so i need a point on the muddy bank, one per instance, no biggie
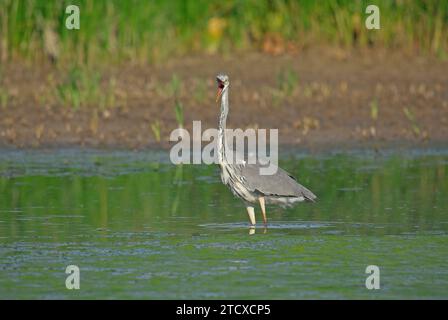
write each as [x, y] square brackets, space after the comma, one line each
[318, 98]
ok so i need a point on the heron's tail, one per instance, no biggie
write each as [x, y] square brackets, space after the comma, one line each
[308, 195]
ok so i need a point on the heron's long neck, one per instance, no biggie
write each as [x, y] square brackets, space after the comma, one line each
[222, 125]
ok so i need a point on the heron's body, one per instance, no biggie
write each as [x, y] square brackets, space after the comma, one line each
[245, 180]
[246, 183]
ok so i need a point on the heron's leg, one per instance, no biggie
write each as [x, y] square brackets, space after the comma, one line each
[251, 213]
[263, 210]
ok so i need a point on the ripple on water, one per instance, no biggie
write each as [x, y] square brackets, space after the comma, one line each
[274, 225]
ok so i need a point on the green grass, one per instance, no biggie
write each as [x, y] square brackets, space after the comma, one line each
[4, 93]
[411, 117]
[287, 80]
[179, 112]
[80, 88]
[374, 109]
[149, 31]
[108, 100]
[155, 127]
[200, 90]
[171, 88]
[4, 97]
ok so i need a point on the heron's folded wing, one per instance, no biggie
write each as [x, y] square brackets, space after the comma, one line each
[279, 184]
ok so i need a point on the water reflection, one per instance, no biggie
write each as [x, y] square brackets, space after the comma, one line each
[178, 187]
[253, 229]
[404, 194]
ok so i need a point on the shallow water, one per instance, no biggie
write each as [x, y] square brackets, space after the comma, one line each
[139, 227]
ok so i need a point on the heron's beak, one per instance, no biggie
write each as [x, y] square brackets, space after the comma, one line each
[221, 87]
[218, 95]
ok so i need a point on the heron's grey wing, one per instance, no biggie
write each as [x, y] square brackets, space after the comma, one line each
[279, 184]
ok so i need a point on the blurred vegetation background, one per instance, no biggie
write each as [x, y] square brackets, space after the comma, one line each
[149, 31]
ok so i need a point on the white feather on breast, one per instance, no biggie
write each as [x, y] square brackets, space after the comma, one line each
[235, 184]
[224, 174]
[243, 193]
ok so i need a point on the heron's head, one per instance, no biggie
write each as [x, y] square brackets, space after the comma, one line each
[223, 82]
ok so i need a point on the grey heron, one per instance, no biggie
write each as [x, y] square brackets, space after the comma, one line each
[245, 180]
